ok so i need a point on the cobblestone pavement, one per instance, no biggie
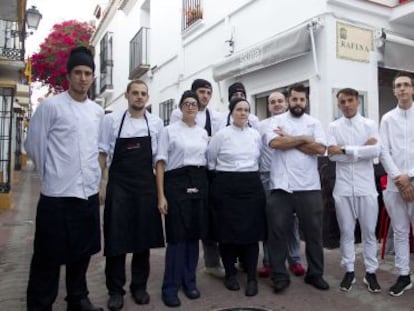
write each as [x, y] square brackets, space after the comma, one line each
[16, 238]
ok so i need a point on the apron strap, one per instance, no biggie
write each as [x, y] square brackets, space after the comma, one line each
[207, 127]
[122, 123]
[148, 129]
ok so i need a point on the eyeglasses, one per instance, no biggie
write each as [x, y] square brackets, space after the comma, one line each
[190, 104]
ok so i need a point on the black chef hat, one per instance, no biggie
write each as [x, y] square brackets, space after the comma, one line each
[236, 87]
[235, 101]
[188, 94]
[197, 83]
[80, 56]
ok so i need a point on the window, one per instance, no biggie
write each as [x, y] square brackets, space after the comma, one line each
[166, 107]
[192, 12]
[106, 62]
[138, 54]
[6, 113]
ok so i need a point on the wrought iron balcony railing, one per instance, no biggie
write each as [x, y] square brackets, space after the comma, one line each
[106, 63]
[11, 45]
[138, 54]
[192, 12]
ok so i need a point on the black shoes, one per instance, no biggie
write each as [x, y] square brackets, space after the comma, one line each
[192, 294]
[280, 285]
[403, 283]
[171, 301]
[231, 283]
[347, 281]
[251, 288]
[317, 282]
[140, 296]
[115, 302]
[370, 280]
[83, 305]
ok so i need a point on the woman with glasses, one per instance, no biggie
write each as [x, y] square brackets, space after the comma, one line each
[182, 195]
[238, 195]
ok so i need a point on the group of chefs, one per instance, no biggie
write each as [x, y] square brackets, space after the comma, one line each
[223, 178]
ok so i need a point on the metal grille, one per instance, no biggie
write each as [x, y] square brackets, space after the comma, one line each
[6, 109]
[138, 53]
[11, 45]
[18, 148]
[166, 107]
[106, 62]
[192, 12]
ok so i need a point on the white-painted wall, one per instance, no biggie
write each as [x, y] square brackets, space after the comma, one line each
[177, 58]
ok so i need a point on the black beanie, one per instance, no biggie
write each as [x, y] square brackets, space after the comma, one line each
[197, 83]
[188, 94]
[235, 101]
[80, 56]
[236, 87]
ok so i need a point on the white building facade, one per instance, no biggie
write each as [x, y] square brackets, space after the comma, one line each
[267, 45]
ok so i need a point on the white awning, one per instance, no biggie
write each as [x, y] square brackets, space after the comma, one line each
[398, 52]
[277, 49]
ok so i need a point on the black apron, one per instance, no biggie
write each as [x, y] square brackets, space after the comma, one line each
[186, 190]
[132, 222]
[67, 228]
[238, 208]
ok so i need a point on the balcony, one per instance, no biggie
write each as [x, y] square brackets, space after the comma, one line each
[138, 54]
[192, 12]
[11, 45]
[106, 65]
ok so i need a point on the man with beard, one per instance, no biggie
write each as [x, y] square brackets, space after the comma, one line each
[132, 223]
[297, 140]
[277, 104]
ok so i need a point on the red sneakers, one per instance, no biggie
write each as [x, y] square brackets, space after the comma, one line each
[264, 272]
[297, 269]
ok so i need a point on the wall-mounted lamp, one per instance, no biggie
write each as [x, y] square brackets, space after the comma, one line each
[33, 17]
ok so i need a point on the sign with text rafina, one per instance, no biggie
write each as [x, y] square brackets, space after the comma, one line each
[353, 42]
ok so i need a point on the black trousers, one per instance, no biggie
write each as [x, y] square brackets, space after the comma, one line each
[44, 282]
[115, 272]
[248, 253]
[308, 208]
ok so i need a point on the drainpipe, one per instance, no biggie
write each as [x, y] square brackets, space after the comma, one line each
[312, 26]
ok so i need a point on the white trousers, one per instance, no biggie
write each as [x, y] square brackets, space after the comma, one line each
[348, 210]
[401, 214]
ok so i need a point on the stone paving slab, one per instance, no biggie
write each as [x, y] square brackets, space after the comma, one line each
[16, 238]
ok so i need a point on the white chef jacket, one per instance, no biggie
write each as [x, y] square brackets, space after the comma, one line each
[182, 145]
[292, 170]
[397, 144]
[354, 170]
[235, 149]
[216, 118]
[266, 154]
[62, 140]
[132, 127]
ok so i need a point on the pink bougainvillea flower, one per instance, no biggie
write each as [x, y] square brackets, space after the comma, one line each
[49, 65]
